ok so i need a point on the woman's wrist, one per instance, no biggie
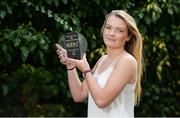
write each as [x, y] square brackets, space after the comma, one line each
[86, 72]
[70, 67]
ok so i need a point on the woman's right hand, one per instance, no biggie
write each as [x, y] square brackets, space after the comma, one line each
[62, 54]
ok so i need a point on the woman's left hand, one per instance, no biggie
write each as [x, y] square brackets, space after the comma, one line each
[82, 64]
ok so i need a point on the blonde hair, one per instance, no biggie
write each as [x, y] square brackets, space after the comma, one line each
[133, 46]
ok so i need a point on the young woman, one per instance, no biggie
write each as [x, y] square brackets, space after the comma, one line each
[113, 86]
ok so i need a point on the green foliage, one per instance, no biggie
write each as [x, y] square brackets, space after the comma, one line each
[25, 41]
[28, 86]
[33, 83]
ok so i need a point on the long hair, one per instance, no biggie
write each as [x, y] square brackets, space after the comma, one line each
[133, 46]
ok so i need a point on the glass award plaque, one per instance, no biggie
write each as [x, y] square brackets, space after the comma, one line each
[75, 44]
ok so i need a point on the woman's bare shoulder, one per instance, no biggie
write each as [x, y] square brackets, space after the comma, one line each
[127, 67]
[130, 57]
[127, 60]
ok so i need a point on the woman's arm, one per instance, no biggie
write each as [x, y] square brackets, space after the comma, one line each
[124, 71]
[79, 90]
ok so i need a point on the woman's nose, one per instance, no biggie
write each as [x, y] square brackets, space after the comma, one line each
[112, 32]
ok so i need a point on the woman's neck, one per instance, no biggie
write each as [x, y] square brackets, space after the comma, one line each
[114, 53]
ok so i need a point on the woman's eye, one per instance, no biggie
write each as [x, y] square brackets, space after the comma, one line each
[118, 30]
[107, 27]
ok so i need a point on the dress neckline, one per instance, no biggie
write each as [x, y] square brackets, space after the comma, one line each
[106, 69]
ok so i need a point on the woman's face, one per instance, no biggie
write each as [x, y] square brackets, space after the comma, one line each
[115, 32]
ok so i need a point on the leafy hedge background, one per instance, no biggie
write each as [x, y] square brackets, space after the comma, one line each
[34, 83]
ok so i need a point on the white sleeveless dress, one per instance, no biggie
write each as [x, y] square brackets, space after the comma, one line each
[122, 106]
